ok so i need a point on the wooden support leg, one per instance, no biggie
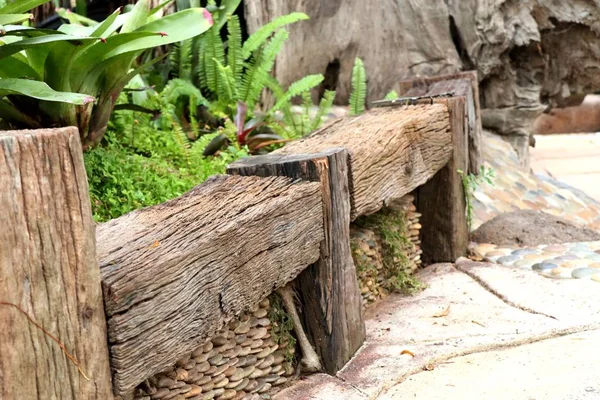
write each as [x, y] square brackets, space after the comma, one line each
[328, 290]
[441, 201]
[53, 329]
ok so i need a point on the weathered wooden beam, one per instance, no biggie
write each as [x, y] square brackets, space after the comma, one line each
[175, 273]
[328, 290]
[50, 293]
[426, 85]
[392, 151]
[441, 201]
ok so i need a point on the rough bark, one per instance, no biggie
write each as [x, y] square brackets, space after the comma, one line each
[392, 151]
[175, 273]
[463, 84]
[328, 290]
[49, 272]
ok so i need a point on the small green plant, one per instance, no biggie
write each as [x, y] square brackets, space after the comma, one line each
[73, 76]
[359, 88]
[283, 327]
[393, 95]
[470, 183]
[390, 226]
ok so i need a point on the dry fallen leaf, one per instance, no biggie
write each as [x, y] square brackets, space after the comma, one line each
[429, 367]
[443, 313]
[407, 352]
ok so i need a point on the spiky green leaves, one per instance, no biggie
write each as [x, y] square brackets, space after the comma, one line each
[359, 88]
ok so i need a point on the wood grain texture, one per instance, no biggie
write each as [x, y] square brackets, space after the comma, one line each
[392, 151]
[435, 85]
[441, 201]
[48, 269]
[175, 273]
[328, 290]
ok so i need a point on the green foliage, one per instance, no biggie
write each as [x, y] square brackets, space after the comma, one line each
[391, 95]
[470, 184]
[232, 77]
[359, 88]
[390, 226]
[82, 61]
[283, 326]
[145, 161]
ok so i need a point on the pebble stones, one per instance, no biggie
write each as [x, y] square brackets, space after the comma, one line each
[558, 261]
[242, 361]
[368, 250]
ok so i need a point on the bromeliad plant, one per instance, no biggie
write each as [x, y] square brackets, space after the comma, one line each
[74, 76]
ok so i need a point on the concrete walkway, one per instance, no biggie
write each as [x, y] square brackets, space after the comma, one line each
[457, 338]
[570, 158]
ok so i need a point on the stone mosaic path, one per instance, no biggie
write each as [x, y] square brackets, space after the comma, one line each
[515, 189]
[565, 261]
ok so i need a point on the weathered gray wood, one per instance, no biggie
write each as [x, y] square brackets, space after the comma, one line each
[441, 201]
[175, 273]
[328, 290]
[48, 272]
[435, 85]
[392, 151]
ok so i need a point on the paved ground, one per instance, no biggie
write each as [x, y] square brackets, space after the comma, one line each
[462, 331]
[571, 158]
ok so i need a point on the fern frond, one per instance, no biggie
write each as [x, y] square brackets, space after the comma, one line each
[254, 80]
[324, 106]
[174, 58]
[274, 86]
[185, 60]
[214, 49]
[200, 70]
[200, 144]
[258, 38]
[391, 95]
[177, 88]
[228, 94]
[234, 47]
[297, 88]
[359, 88]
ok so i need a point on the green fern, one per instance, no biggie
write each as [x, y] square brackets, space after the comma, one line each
[234, 47]
[324, 108]
[214, 50]
[296, 89]
[176, 88]
[228, 91]
[259, 69]
[258, 38]
[391, 95]
[359, 88]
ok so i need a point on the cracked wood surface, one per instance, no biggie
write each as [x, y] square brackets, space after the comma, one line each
[328, 290]
[48, 269]
[463, 84]
[392, 151]
[175, 273]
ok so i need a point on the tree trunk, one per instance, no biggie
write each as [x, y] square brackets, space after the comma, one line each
[50, 293]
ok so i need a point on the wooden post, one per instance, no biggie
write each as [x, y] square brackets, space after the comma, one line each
[50, 292]
[441, 201]
[328, 289]
[432, 84]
